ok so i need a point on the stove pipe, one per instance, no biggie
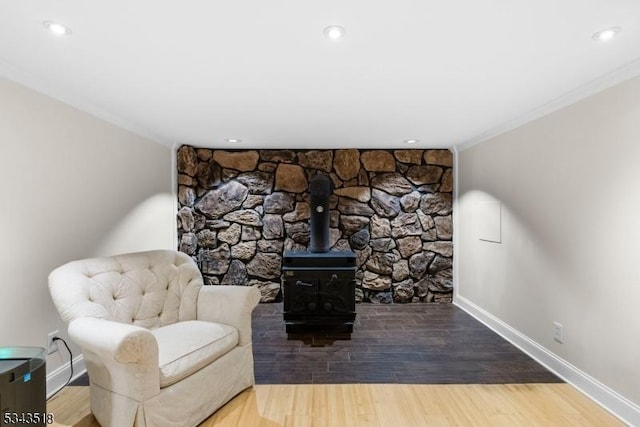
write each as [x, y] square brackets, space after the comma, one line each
[320, 188]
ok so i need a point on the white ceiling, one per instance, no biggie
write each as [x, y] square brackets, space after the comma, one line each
[198, 71]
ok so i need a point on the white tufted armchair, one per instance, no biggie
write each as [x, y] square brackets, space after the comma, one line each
[160, 348]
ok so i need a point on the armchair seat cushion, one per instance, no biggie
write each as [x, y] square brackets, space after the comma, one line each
[186, 347]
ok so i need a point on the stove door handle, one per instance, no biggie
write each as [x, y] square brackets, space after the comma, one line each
[334, 278]
[301, 283]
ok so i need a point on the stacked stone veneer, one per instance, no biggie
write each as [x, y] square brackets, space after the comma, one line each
[239, 210]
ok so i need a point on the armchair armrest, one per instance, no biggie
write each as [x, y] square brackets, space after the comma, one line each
[120, 357]
[231, 305]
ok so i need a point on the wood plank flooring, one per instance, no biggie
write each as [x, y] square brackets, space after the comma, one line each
[382, 405]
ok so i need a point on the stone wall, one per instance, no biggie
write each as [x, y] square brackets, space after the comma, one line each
[239, 210]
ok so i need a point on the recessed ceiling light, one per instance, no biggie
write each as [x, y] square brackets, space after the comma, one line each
[607, 34]
[233, 140]
[56, 28]
[411, 141]
[334, 32]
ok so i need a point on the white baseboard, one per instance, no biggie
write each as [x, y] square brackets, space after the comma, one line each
[618, 405]
[58, 378]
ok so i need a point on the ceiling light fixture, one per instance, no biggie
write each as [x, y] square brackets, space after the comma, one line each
[233, 140]
[411, 141]
[334, 32]
[607, 34]
[56, 28]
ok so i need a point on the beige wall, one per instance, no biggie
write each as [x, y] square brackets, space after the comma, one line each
[72, 186]
[569, 185]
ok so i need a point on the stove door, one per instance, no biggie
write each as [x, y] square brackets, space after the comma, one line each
[300, 292]
[336, 290]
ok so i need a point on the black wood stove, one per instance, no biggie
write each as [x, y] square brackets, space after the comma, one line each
[319, 284]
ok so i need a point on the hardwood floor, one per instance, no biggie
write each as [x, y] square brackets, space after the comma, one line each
[404, 365]
[382, 405]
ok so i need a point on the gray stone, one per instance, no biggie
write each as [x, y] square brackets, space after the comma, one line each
[207, 239]
[436, 204]
[236, 274]
[298, 231]
[272, 226]
[403, 291]
[444, 227]
[379, 297]
[420, 175]
[244, 217]
[410, 202]
[268, 290]
[353, 223]
[265, 265]
[334, 238]
[441, 281]
[252, 201]
[186, 195]
[426, 221]
[302, 212]
[278, 203]
[409, 245]
[362, 255]
[215, 261]
[392, 183]
[275, 246]
[375, 281]
[380, 227]
[223, 200]
[347, 163]
[418, 264]
[405, 224]
[348, 206]
[257, 182]
[188, 243]
[381, 263]
[421, 287]
[250, 233]
[443, 248]
[383, 244]
[384, 204]
[231, 235]
[243, 250]
[440, 263]
[360, 239]
[400, 270]
[186, 218]
[216, 224]
[363, 178]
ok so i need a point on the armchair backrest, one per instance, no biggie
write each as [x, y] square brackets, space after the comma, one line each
[149, 289]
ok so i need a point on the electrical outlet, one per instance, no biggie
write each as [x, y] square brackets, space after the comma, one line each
[52, 346]
[558, 332]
